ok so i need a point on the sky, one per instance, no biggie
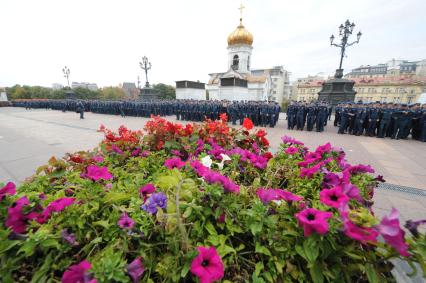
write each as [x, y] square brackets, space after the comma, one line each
[103, 41]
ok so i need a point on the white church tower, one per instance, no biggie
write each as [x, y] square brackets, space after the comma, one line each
[239, 49]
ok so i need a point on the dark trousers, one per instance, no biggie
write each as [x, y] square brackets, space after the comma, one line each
[81, 114]
[383, 128]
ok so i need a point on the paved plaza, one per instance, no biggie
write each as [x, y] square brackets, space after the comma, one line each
[28, 138]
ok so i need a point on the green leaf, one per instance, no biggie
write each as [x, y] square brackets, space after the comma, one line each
[311, 249]
[262, 250]
[371, 273]
[167, 182]
[256, 279]
[102, 223]
[256, 227]
[259, 267]
[316, 273]
[116, 197]
[210, 228]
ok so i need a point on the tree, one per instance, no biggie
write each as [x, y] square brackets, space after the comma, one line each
[112, 92]
[166, 91]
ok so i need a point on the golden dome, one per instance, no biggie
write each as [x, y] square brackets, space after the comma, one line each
[240, 36]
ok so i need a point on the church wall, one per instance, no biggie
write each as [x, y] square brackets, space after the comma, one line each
[190, 93]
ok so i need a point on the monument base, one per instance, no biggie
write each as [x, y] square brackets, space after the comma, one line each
[148, 93]
[337, 90]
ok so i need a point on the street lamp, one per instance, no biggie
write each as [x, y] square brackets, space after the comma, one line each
[66, 72]
[345, 31]
[145, 65]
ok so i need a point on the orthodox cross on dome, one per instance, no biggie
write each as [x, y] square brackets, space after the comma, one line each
[241, 11]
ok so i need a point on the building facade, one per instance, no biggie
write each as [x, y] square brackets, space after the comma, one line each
[392, 68]
[190, 90]
[400, 89]
[307, 88]
[390, 89]
[130, 89]
[90, 86]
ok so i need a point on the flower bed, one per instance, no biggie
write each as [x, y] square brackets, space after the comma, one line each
[199, 203]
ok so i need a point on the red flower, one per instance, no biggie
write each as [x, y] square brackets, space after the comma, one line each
[76, 159]
[260, 134]
[267, 155]
[264, 141]
[223, 117]
[247, 124]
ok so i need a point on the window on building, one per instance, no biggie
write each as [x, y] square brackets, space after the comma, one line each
[248, 63]
[412, 91]
[410, 99]
[235, 62]
[274, 92]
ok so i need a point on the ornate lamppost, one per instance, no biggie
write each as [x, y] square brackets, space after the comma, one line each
[338, 89]
[145, 65]
[345, 31]
[66, 72]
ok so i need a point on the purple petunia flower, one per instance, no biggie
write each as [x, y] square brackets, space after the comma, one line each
[78, 273]
[391, 231]
[154, 201]
[69, 237]
[116, 149]
[290, 140]
[135, 269]
[126, 222]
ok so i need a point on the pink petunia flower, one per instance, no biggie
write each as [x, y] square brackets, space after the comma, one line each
[8, 189]
[291, 150]
[125, 222]
[333, 197]
[16, 219]
[326, 148]
[98, 158]
[391, 231]
[290, 140]
[55, 206]
[174, 163]
[267, 195]
[309, 172]
[207, 265]
[313, 220]
[96, 173]
[361, 234]
[78, 273]
[146, 190]
[135, 269]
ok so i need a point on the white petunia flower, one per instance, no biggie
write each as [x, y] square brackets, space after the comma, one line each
[207, 161]
[224, 158]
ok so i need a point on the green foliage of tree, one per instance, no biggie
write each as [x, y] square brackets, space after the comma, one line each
[166, 91]
[113, 93]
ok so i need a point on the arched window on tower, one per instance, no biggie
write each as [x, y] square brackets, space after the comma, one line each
[248, 63]
[235, 62]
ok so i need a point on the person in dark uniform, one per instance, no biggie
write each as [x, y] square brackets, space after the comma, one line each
[360, 116]
[300, 117]
[321, 117]
[373, 118]
[386, 116]
[422, 125]
[310, 116]
[80, 109]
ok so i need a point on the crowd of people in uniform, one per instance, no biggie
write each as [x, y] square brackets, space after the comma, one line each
[260, 112]
[314, 115]
[397, 121]
[393, 120]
